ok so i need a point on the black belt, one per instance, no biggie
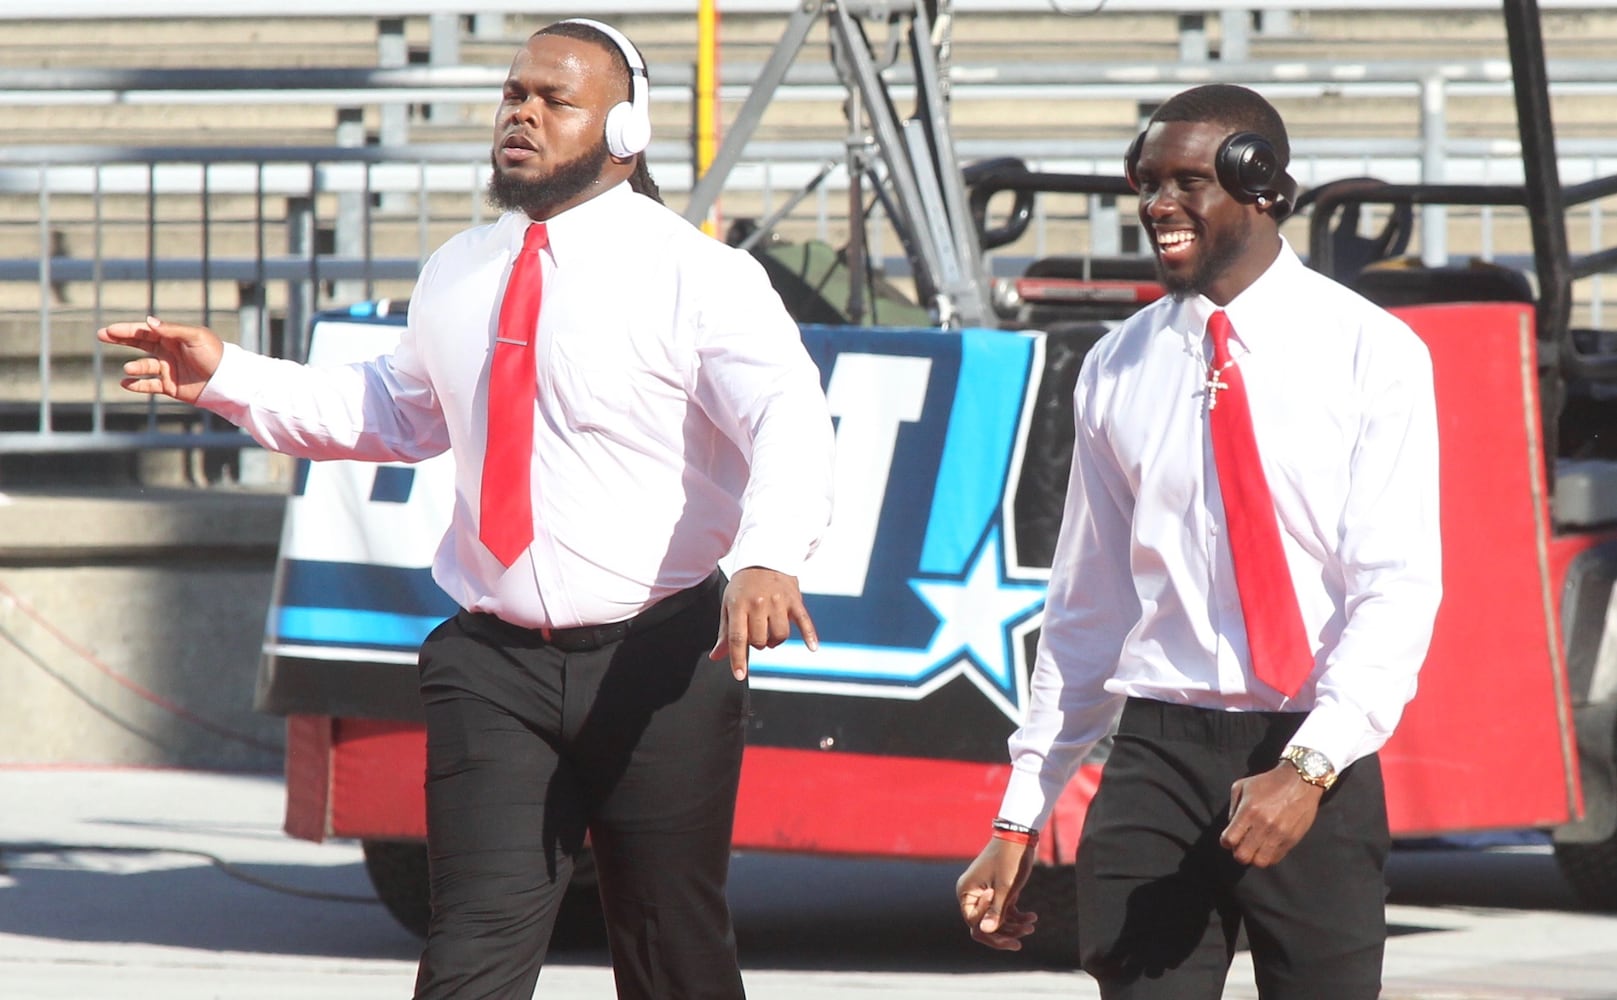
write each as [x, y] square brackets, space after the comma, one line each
[584, 638]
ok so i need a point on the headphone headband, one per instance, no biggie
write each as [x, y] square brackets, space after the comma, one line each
[628, 123]
[631, 55]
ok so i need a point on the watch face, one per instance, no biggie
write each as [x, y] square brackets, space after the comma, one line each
[1313, 765]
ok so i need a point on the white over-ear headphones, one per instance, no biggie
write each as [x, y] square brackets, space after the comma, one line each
[628, 124]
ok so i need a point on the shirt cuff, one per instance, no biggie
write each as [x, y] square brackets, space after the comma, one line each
[1342, 735]
[230, 385]
[776, 552]
[1027, 802]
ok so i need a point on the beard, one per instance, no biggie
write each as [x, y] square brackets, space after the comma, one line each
[1219, 252]
[539, 198]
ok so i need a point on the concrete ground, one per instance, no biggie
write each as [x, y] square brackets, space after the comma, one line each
[143, 884]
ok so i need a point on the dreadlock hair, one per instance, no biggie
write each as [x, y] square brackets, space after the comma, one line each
[640, 181]
[1236, 108]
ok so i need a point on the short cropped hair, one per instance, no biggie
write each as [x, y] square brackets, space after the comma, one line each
[1236, 108]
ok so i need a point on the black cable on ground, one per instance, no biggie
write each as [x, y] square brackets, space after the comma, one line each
[128, 683]
[79, 693]
[228, 868]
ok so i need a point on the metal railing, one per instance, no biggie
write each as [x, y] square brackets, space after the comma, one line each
[283, 232]
[150, 9]
[308, 243]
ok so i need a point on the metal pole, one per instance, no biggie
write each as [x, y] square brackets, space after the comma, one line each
[391, 53]
[98, 417]
[1546, 203]
[969, 285]
[1193, 38]
[45, 296]
[443, 49]
[706, 98]
[1105, 226]
[349, 238]
[705, 192]
[393, 118]
[300, 293]
[910, 217]
[1434, 226]
[254, 466]
[1235, 28]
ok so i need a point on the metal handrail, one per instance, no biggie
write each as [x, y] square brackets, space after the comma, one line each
[171, 9]
[375, 85]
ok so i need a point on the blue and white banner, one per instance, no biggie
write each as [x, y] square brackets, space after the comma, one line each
[916, 583]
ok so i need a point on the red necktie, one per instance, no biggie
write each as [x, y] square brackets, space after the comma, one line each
[1276, 638]
[505, 518]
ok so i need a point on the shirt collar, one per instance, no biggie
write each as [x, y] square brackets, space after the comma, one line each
[579, 226]
[1251, 312]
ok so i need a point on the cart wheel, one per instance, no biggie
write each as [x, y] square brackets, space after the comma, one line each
[1052, 893]
[1591, 871]
[398, 871]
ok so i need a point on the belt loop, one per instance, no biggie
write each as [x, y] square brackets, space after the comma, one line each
[544, 632]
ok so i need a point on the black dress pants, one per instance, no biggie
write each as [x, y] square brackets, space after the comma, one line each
[1161, 903]
[528, 747]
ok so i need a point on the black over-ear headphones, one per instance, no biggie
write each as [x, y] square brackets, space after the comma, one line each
[628, 123]
[1248, 168]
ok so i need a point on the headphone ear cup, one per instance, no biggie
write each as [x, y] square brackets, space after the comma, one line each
[617, 124]
[627, 132]
[636, 131]
[1131, 158]
[1248, 166]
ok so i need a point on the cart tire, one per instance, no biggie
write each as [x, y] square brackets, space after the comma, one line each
[1052, 893]
[398, 871]
[1591, 870]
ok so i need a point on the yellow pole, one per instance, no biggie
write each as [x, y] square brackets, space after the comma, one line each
[707, 98]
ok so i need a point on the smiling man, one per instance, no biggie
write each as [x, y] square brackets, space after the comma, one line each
[627, 401]
[1244, 587]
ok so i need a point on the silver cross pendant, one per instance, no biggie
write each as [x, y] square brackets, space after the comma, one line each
[1214, 384]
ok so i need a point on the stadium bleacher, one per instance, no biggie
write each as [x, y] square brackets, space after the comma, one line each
[139, 214]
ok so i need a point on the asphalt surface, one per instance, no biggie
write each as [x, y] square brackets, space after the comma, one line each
[146, 884]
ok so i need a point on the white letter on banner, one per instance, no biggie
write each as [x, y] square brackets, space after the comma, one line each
[871, 394]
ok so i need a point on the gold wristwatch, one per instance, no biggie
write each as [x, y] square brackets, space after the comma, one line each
[1314, 767]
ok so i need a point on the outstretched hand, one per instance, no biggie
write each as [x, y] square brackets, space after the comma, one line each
[179, 361]
[760, 606]
[988, 891]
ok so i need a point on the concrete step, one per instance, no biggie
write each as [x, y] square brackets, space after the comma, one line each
[976, 38]
[72, 331]
[312, 124]
[225, 41]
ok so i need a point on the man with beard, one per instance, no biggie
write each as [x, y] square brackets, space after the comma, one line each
[1252, 629]
[627, 401]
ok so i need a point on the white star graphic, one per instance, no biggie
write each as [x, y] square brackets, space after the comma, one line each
[982, 622]
[975, 616]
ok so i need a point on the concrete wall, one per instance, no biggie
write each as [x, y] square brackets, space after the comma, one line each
[130, 626]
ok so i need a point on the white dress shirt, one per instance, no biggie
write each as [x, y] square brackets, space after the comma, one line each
[1142, 598]
[678, 414]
